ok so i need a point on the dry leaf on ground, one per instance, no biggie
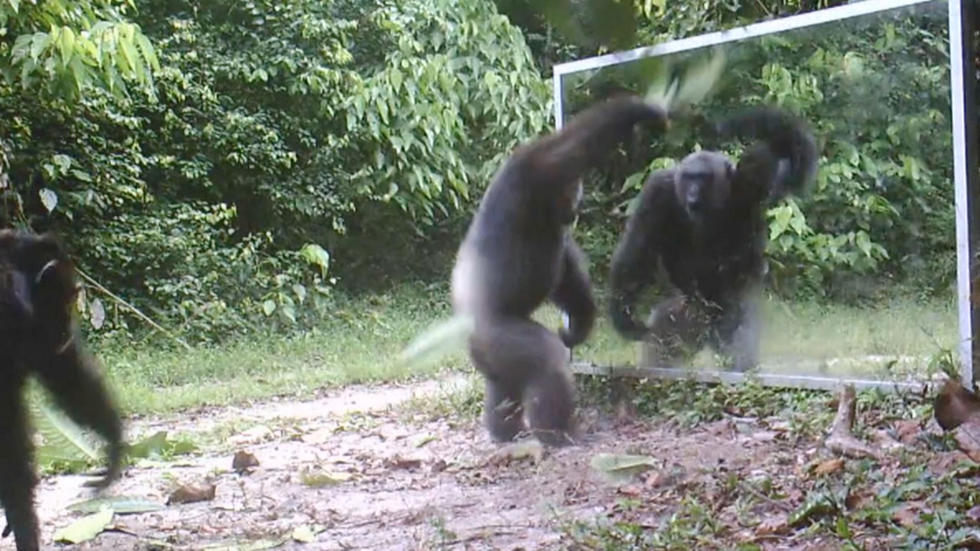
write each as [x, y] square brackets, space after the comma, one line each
[829, 466]
[954, 405]
[192, 493]
[243, 462]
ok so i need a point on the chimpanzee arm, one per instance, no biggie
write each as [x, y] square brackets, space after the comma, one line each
[78, 389]
[574, 296]
[591, 135]
[634, 263]
[785, 160]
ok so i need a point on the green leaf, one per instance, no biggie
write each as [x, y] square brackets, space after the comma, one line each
[149, 53]
[67, 43]
[322, 479]
[63, 440]
[863, 243]
[268, 307]
[63, 162]
[439, 339]
[48, 198]
[85, 528]
[396, 79]
[80, 73]
[149, 446]
[633, 181]
[300, 291]
[317, 256]
[81, 175]
[120, 505]
[39, 42]
[622, 467]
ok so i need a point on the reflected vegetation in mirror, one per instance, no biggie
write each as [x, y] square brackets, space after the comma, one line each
[862, 269]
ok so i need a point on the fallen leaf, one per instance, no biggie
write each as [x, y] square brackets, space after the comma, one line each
[657, 479]
[157, 444]
[120, 505]
[407, 463]
[250, 436]
[974, 513]
[85, 528]
[620, 467]
[243, 462]
[631, 490]
[192, 493]
[319, 436]
[149, 446]
[304, 534]
[967, 437]
[828, 467]
[908, 514]
[946, 462]
[321, 479]
[776, 524]
[779, 425]
[528, 449]
[954, 405]
[858, 500]
[883, 439]
[906, 430]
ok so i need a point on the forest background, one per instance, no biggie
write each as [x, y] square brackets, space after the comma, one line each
[232, 168]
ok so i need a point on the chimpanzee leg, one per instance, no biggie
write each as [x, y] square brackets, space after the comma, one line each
[17, 477]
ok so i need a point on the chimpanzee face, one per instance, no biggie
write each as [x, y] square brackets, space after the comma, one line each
[703, 183]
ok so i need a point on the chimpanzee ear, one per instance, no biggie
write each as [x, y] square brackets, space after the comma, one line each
[53, 271]
[49, 270]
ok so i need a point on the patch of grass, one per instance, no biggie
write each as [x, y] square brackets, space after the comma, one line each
[689, 403]
[693, 525]
[359, 342]
[813, 338]
[464, 401]
[909, 499]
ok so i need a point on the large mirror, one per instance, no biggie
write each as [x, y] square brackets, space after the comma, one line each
[863, 269]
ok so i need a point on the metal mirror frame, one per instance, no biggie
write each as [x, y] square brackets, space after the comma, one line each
[961, 14]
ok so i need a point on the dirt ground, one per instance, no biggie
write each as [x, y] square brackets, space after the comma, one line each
[349, 467]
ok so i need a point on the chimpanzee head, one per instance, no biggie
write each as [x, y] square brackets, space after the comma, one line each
[703, 183]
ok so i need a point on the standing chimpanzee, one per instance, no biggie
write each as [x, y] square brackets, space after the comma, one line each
[37, 293]
[518, 253]
[703, 223]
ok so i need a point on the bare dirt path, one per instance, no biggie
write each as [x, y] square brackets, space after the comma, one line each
[353, 470]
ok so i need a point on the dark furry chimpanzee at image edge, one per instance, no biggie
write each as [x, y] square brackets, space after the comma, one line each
[518, 253]
[703, 224]
[38, 337]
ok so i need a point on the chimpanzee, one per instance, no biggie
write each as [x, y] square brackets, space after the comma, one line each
[703, 224]
[518, 253]
[37, 336]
